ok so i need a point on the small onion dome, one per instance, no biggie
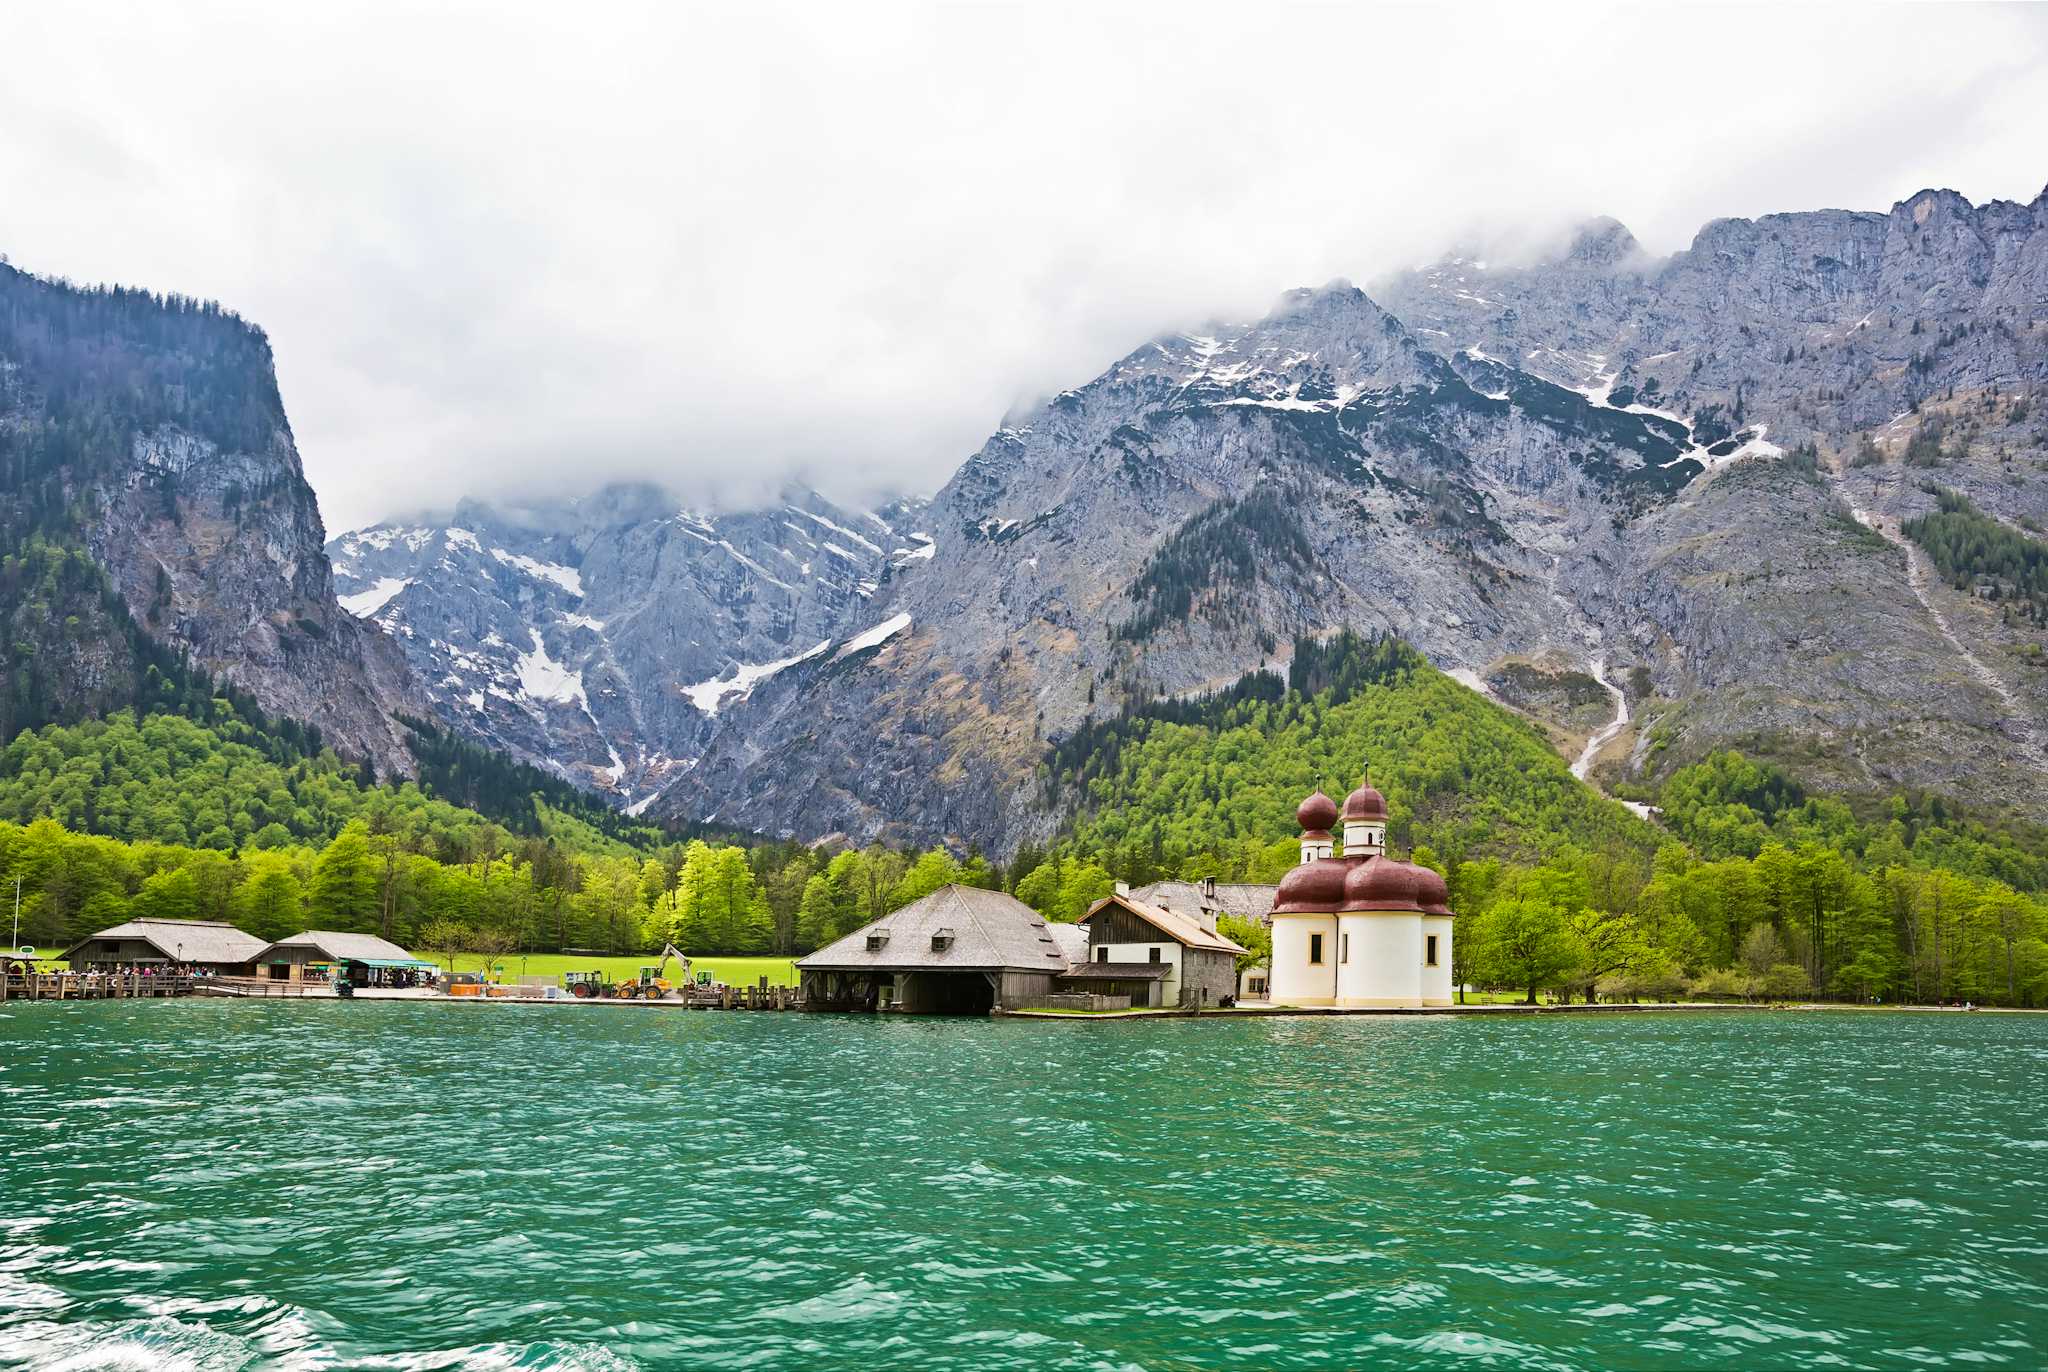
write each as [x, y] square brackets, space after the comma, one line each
[1365, 804]
[1431, 893]
[1316, 814]
[1313, 888]
[1381, 883]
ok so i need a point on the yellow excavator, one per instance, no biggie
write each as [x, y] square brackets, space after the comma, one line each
[653, 982]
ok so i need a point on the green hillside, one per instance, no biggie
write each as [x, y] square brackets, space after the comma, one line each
[1216, 780]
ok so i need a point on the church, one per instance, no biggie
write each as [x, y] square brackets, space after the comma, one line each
[1361, 930]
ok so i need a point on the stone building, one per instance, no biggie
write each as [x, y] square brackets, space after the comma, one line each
[1362, 929]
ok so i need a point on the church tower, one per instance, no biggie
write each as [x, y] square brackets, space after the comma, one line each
[1316, 815]
[1365, 821]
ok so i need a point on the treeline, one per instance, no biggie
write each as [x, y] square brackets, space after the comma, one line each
[229, 785]
[393, 872]
[1972, 549]
[1789, 923]
[1225, 545]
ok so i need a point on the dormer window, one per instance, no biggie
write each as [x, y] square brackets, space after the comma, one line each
[876, 938]
[942, 939]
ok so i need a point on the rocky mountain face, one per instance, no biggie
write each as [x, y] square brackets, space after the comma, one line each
[1674, 483]
[144, 437]
[605, 638]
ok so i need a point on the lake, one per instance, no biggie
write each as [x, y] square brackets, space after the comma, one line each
[214, 1184]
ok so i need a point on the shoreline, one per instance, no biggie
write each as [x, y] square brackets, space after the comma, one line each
[1254, 1011]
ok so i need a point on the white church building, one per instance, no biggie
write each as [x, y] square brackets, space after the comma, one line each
[1364, 929]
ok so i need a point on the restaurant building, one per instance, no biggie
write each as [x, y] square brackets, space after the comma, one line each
[200, 945]
[324, 955]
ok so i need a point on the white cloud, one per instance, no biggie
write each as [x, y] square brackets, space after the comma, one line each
[502, 251]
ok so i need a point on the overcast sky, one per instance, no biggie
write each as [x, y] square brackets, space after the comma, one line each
[516, 252]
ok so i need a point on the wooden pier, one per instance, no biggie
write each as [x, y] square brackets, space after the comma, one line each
[92, 986]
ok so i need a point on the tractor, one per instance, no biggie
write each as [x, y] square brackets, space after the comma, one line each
[586, 985]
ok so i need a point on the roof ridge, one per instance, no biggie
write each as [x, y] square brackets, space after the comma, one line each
[953, 888]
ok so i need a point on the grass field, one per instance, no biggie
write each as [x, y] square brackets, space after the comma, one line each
[732, 971]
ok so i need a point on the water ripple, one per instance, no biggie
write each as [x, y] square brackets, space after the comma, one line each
[212, 1185]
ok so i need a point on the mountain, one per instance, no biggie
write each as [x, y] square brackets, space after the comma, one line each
[602, 638]
[1678, 484]
[155, 519]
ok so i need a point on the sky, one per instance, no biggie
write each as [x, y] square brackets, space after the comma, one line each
[516, 252]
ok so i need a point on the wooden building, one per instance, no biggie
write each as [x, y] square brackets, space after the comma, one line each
[1125, 934]
[363, 959]
[202, 945]
[1208, 900]
[959, 951]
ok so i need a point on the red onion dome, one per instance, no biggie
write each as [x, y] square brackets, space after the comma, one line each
[1316, 814]
[1313, 888]
[1431, 893]
[1380, 883]
[1365, 804]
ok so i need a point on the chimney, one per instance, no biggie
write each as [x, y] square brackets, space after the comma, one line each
[1123, 888]
[1208, 888]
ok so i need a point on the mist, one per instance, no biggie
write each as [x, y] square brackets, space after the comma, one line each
[512, 253]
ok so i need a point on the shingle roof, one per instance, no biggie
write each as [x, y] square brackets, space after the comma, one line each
[1117, 971]
[1179, 927]
[990, 931]
[340, 947]
[189, 940]
[1245, 899]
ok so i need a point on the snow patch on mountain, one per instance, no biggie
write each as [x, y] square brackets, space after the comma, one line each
[568, 578]
[365, 603]
[874, 637]
[708, 696]
[543, 679]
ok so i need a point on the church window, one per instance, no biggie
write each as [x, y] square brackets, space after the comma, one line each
[1315, 950]
[1344, 948]
[1429, 953]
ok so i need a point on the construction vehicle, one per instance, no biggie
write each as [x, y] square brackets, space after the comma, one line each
[653, 982]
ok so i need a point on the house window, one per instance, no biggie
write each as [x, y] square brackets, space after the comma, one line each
[1344, 948]
[1256, 986]
[1155, 955]
[1429, 951]
[1102, 952]
[1315, 950]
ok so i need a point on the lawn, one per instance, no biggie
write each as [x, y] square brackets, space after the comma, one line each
[732, 971]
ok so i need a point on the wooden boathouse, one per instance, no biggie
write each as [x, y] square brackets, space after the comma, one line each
[959, 951]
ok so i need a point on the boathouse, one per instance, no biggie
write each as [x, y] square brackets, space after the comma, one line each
[203, 945]
[363, 959]
[1157, 956]
[959, 951]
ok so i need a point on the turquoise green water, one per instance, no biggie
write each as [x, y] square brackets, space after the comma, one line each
[210, 1184]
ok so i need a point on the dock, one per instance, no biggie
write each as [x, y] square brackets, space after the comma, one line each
[93, 986]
